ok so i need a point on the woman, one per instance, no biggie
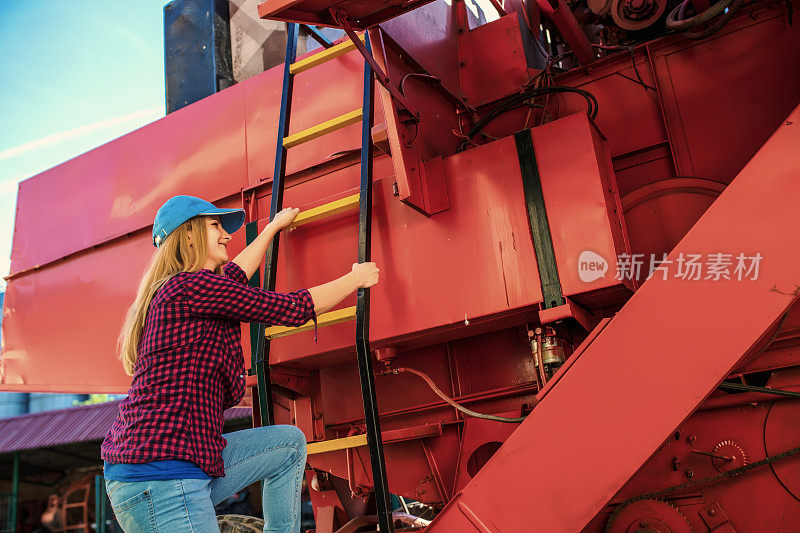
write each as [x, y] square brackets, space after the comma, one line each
[166, 461]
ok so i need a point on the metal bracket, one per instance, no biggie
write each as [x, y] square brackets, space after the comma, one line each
[341, 18]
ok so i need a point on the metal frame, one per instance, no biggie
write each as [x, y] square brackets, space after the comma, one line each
[259, 342]
[260, 349]
[315, 34]
[365, 372]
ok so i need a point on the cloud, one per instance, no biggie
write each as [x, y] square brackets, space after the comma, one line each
[56, 138]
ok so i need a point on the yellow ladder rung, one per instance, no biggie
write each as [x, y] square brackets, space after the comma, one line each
[321, 129]
[323, 56]
[327, 210]
[336, 444]
[325, 319]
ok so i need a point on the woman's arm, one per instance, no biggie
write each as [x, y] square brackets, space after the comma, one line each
[326, 296]
[252, 256]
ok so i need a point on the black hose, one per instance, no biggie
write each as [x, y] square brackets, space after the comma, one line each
[518, 99]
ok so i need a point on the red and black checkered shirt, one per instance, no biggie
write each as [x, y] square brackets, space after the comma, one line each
[190, 367]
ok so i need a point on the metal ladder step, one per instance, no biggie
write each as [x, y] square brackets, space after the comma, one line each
[333, 445]
[322, 129]
[330, 209]
[323, 57]
[325, 319]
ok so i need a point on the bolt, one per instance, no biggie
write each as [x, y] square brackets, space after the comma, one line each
[690, 473]
[691, 438]
[642, 523]
[462, 64]
[317, 416]
[712, 512]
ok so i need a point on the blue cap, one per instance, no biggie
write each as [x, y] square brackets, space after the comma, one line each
[179, 209]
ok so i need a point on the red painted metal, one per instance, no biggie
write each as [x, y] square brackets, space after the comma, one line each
[460, 289]
[361, 14]
[580, 192]
[725, 319]
[114, 190]
[559, 12]
[484, 79]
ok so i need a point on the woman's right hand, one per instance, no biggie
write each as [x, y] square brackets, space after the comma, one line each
[366, 274]
[284, 218]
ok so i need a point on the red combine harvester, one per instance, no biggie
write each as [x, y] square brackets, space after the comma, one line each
[586, 319]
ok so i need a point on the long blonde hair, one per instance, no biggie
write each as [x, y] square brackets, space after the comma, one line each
[173, 256]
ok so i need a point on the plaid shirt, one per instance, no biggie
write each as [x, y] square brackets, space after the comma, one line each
[190, 367]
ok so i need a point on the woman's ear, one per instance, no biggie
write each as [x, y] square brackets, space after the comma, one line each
[189, 233]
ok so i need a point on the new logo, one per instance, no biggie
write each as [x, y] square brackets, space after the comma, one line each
[591, 266]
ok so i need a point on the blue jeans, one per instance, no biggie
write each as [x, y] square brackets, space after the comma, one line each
[276, 454]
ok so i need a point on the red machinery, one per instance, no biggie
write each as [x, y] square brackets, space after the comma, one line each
[625, 282]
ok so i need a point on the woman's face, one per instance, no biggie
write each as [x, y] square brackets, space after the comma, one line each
[217, 245]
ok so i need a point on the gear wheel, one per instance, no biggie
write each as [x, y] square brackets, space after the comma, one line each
[647, 516]
[736, 456]
[635, 15]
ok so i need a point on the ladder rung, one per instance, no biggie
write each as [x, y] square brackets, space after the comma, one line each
[323, 56]
[336, 444]
[325, 319]
[321, 129]
[326, 210]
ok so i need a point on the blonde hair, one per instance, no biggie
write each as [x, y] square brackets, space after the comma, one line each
[173, 256]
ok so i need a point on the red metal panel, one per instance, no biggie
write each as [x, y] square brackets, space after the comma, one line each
[482, 242]
[115, 189]
[360, 14]
[574, 443]
[61, 323]
[494, 63]
[759, 87]
[428, 34]
[420, 185]
[583, 206]
[756, 501]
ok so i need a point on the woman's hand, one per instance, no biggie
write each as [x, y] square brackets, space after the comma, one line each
[284, 218]
[366, 274]
[328, 295]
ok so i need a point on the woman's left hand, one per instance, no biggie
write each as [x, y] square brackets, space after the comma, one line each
[284, 218]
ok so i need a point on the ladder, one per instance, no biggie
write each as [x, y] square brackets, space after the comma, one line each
[260, 335]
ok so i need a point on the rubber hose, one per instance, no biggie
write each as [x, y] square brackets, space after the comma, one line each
[518, 99]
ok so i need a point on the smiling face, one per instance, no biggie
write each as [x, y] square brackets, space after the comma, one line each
[216, 244]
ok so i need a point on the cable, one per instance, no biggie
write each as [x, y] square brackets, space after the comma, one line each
[520, 98]
[450, 401]
[753, 388]
[632, 51]
[428, 77]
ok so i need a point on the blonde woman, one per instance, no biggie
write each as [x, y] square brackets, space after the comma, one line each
[167, 462]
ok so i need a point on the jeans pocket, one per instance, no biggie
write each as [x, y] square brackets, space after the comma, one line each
[135, 514]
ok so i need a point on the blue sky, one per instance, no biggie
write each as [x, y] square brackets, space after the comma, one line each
[73, 76]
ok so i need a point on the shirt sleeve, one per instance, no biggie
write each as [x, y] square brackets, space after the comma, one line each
[235, 272]
[212, 295]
